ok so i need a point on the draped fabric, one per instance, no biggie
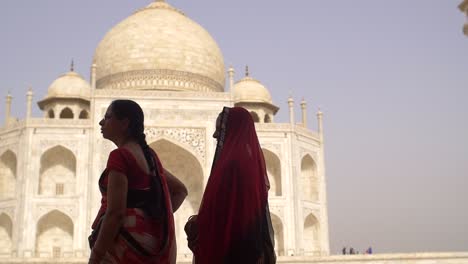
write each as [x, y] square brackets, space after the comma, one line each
[233, 222]
[146, 236]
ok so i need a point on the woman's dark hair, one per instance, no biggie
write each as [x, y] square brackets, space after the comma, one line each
[132, 111]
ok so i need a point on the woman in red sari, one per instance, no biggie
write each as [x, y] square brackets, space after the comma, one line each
[233, 224]
[135, 222]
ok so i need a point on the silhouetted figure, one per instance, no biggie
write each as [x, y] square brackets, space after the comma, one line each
[351, 251]
[343, 251]
[369, 250]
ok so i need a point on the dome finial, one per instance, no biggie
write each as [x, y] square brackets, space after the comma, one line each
[163, 1]
[247, 71]
[72, 66]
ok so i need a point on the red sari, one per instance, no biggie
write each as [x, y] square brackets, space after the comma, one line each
[142, 238]
[233, 224]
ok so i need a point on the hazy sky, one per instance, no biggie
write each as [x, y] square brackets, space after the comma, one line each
[390, 76]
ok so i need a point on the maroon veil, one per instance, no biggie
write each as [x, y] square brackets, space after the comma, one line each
[233, 222]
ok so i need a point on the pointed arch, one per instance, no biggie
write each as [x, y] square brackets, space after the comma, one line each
[273, 166]
[255, 117]
[83, 114]
[8, 169]
[6, 231]
[279, 234]
[57, 175]
[51, 113]
[309, 179]
[311, 240]
[54, 234]
[187, 168]
[66, 113]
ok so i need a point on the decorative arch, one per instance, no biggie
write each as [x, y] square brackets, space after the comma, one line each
[57, 175]
[83, 114]
[273, 166]
[6, 231]
[309, 179]
[51, 113]
[279, 234]
[267, 119]
[255, 117]
[311, 240]
[186, 167]
[54, 234]
[8, 165]
[66, 113]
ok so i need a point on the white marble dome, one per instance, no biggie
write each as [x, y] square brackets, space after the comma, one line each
[160, 48]
[69, 85]
[249, 90]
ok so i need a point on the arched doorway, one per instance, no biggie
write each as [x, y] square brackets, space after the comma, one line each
[66, 113]
[6, 228]
[273, 166]
[57, 173]
[279, 236]
[255, 117]
[7, 175]
[311, 236]
[83, 114]
[309, 179]
[186, 167]
[54, 235]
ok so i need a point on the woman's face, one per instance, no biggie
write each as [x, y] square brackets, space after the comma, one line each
[111, 127]
[218, 127]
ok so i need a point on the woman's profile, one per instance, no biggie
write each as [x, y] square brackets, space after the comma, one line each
[233, 224]
[135, 222]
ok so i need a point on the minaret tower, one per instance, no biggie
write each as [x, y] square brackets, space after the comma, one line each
[231, 78]
[29, 97]
[8, 108]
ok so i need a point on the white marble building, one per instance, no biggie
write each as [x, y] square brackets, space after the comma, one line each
[170, 65]
[174, 69]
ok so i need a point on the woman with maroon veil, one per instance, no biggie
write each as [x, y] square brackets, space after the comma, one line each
[233, 224]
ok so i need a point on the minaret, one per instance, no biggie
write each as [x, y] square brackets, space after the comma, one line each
[304, 112]
[291, 110]
[93, 76]
[320, 124]
[8, 108]
[231, 78]
[29, 96]
[325, 241]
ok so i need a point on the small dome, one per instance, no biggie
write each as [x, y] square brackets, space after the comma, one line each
[158, 47]
[69, 85]
[249, 90]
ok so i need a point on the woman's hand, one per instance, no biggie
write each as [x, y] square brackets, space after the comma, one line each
[191, 229]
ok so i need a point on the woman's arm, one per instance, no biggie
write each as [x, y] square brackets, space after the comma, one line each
[177, 190]
[115, 214]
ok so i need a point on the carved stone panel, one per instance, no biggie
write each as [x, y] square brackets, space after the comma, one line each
[192, 138]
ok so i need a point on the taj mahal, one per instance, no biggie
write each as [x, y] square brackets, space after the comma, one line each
[170, 65]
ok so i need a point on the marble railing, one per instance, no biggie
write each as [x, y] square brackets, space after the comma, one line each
[45, 122]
